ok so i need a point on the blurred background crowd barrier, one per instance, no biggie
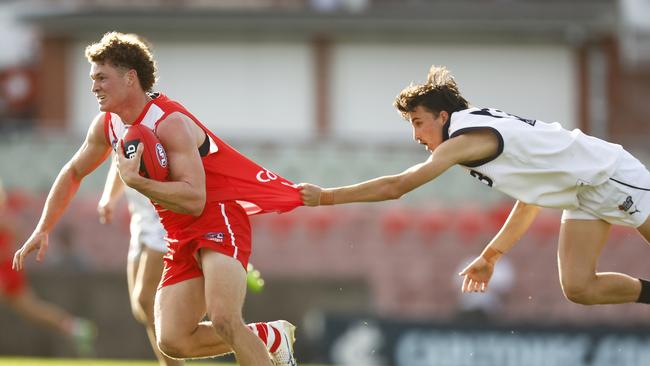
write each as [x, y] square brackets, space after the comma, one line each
[305, 88]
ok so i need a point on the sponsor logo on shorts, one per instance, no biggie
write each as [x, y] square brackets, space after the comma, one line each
[162, 156]
[216, 237]
[627, 205]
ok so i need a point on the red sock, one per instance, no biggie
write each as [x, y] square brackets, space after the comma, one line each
[269, 335]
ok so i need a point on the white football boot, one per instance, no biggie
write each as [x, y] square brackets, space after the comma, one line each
[283, 356]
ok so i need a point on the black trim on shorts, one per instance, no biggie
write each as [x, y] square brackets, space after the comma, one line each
[629, 185]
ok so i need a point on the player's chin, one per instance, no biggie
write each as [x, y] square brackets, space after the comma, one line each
[103, 106]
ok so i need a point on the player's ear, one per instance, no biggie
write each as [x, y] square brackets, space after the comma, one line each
[444, 116]
[132, 77]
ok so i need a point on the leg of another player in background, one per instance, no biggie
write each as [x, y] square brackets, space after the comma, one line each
[81, 331]
[581, 243]
[143, 276]
[41, 312]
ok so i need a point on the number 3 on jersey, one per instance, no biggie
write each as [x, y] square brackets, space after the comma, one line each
[482, 178]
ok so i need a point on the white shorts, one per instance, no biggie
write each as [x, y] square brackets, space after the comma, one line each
[146, 233]
[624, 199]
[146, 229]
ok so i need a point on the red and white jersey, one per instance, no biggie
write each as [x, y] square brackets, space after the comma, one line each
[6, 245]
[230, 176]
[537, 163]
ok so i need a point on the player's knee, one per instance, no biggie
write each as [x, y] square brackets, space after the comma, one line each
[578, 293]
[137, 311]
[172, 347]
[145, 306]
[224, 325]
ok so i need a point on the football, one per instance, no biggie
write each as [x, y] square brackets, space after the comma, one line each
[153, 164]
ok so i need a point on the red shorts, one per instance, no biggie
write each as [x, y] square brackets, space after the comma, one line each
[12, 282]
[223, 227]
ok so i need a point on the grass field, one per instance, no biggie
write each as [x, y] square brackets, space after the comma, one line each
[21, 361]
[90, 362]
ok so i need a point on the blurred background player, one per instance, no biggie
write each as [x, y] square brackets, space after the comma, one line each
[207, 228]
[477, 308]
[15, 292]
[598, 184]
[145, 257]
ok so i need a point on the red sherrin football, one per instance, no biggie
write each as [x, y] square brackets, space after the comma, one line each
[154, 164]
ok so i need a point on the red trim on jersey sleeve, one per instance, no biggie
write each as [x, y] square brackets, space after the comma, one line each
[155, 125]
[107, 120]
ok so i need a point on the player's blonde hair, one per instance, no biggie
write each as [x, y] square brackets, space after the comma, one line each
[128, 51]
[439, 93]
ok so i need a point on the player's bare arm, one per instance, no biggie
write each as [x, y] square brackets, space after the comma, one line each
[185, 191]
[465, 148]
[113, 189]
[515, 226]
[90, 155]
[477, 274]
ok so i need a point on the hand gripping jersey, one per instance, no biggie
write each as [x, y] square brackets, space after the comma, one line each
[537, 163]
[230, 176]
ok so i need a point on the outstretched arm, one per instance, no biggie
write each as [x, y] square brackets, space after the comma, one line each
[464, 148]
[92, 152]
[113, 189]
[478, 273]
[379, 189]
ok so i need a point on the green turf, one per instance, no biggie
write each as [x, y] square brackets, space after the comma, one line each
[21, 361]
[89, 362]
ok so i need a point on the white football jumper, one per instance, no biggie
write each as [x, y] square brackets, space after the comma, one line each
[544, 164]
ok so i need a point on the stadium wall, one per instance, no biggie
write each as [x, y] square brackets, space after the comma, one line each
[263, 89]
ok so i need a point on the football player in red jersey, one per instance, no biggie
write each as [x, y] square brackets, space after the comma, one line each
[203, 206]
[146, 250]
[15, 291]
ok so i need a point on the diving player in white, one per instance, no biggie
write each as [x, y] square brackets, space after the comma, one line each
[596, 183]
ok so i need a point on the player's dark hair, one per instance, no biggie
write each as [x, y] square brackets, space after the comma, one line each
[439, 93]
[127, 51]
